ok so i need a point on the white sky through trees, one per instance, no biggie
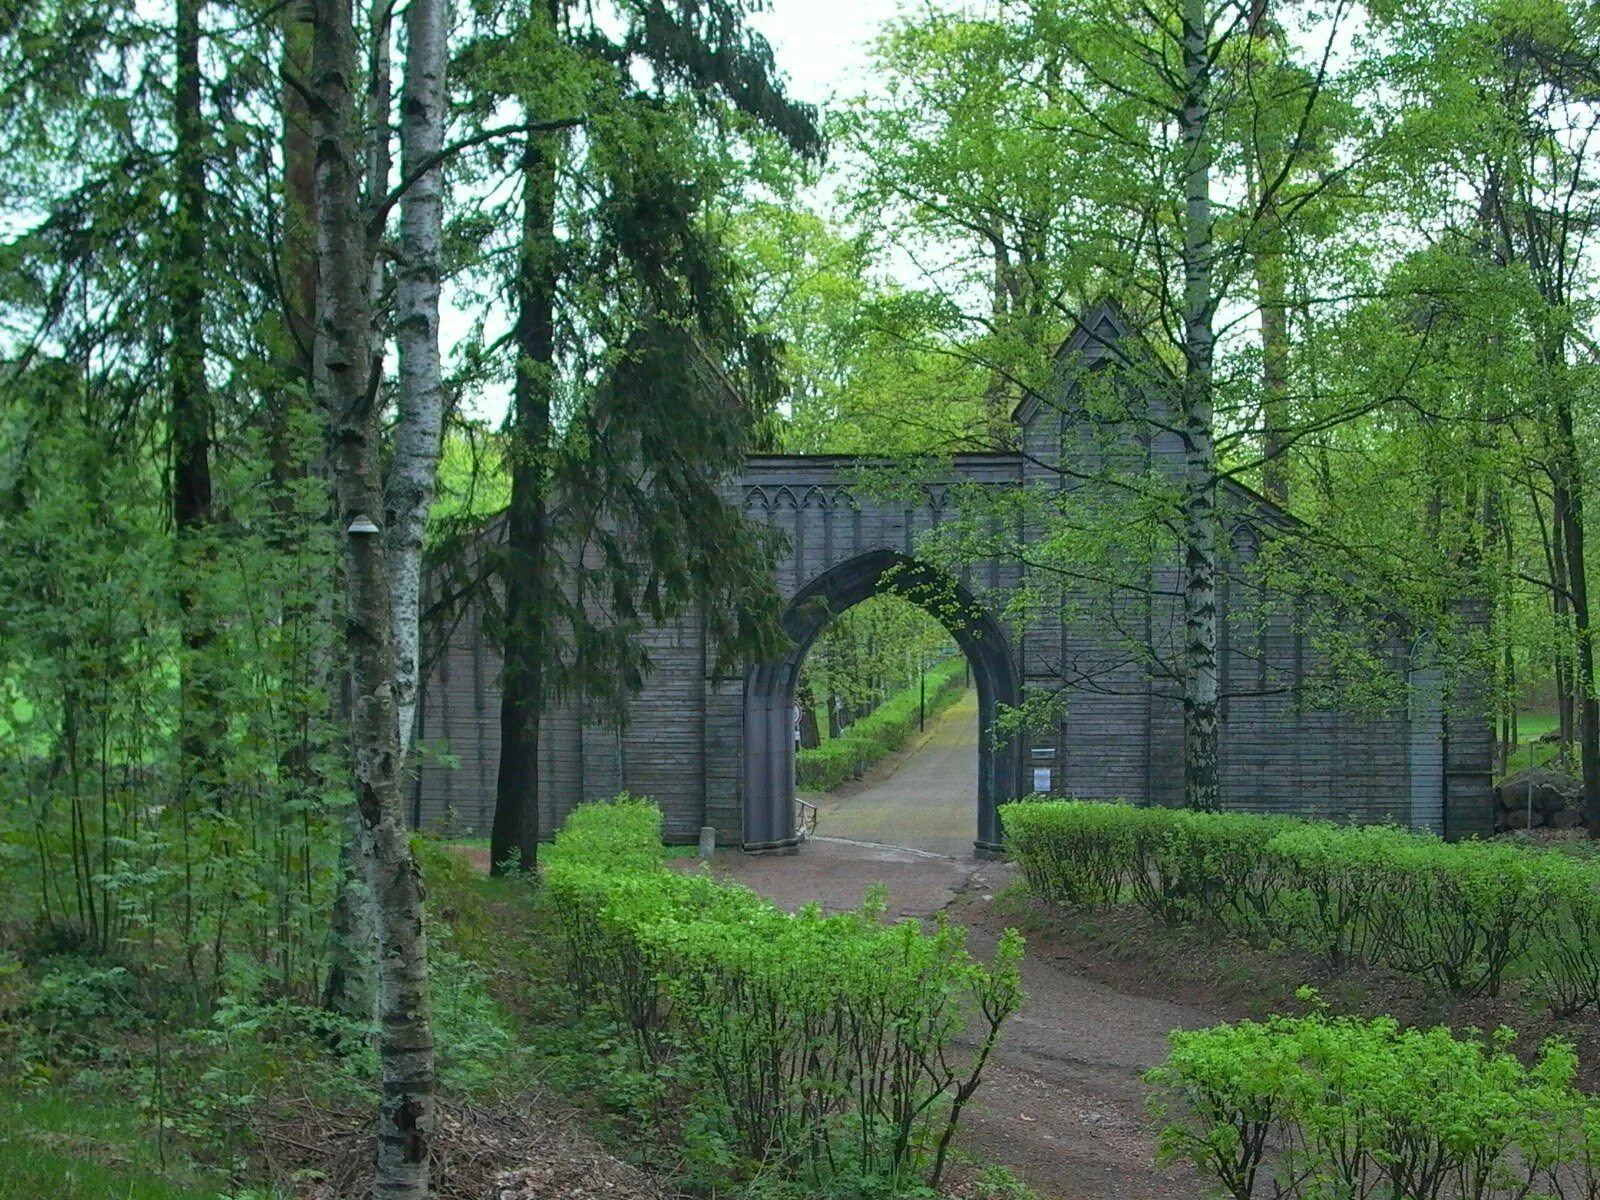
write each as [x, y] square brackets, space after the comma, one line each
[822, 46]
[822, 49]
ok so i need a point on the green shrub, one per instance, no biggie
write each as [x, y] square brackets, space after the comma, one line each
[879, 733]
[1564, 960]
[1075, 853]
[1333, 877]
[1314, 1107]
[817, 1045]
[1175, 864]
[1465, 916]
[828, 766]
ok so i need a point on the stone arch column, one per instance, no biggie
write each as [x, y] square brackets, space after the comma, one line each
[769, 691]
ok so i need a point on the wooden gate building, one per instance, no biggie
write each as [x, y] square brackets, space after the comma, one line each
[718, 749]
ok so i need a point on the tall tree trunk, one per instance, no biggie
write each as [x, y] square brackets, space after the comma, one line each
[380, 105]
[1509, 734]
[514, 834]
[191, 398]
[1272, 294]
[298, 259]
[189, 419]
[1555, 568]
[415, 467]
[1561, 605]
[350, 988]
[344, 378]
[352, 985]
[1569, 524]
[807, 703]
[996, 418]
[1201, 687]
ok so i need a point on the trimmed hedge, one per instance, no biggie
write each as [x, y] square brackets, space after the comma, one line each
[1464, 916]
[1311, 1108]
[878, 734]
[813, 1046]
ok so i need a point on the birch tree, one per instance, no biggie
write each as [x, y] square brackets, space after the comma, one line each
[1201, 681]
[1136, 106]
[414, 469]
[344, 379]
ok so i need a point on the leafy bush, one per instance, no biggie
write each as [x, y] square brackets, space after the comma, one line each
[1465, 916]
[1175, 864]
[1564, 970]
[815, 1045]
[1314, 1107]
[880, 732]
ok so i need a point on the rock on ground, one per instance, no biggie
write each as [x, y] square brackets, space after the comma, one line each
[1538, 796]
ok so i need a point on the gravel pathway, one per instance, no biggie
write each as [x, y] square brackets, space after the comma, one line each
[1062, 1104]
[924, 797]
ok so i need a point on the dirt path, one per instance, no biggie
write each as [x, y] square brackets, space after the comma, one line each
[924, 797]
[1062, 1104]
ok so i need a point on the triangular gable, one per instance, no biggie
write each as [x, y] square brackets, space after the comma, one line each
[1094, 341]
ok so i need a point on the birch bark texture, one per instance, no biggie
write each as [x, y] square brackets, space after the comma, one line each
[344, 381]
[414, 469]
[380, 105]
[1201, 683]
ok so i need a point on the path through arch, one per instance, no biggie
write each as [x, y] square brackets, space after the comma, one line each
[769, 820]
[923, 797]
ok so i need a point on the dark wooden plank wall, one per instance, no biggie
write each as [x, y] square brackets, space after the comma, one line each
[1122, 737]
[684, 742]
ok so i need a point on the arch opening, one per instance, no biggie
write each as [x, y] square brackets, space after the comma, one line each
[769, 782]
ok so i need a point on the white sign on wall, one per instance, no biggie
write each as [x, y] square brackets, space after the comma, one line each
[1041, 779]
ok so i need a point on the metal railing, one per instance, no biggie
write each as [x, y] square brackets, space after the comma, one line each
[805, 819]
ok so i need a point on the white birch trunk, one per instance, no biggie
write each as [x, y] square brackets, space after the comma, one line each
[380, 102]
[1201, 683]
[355, 924]
[342, 378]
[413, 472]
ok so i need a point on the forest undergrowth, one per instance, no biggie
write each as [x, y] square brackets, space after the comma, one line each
[107, 1090]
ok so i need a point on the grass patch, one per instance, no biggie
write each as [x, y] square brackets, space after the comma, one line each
[1529, 754]
[1533, 726]
[66, 1145]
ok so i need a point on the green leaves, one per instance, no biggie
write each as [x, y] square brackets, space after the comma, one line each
[1345, 1107]
[1466, 917]
[816, 1045]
